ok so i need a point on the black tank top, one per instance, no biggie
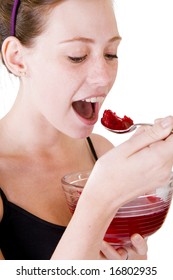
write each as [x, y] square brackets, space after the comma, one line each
[24, 236]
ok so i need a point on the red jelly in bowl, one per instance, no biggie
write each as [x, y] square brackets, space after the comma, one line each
[143, 215]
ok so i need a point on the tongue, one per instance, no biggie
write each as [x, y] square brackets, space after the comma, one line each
[84, 109]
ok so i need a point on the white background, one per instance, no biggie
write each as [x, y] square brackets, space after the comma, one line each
[144, 86]
[143, 89]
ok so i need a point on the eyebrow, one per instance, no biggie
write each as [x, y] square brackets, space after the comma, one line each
[89, 40]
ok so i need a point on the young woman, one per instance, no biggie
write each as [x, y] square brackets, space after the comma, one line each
[65, 54]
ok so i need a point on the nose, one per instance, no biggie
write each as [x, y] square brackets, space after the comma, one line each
[102, 73]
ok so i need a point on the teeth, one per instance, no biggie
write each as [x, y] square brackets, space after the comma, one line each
[94, 99]
[88, 100]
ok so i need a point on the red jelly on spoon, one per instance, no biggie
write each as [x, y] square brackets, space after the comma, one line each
[115, 124]
[112, 121]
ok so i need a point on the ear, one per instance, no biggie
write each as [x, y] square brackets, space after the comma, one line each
[12, 52]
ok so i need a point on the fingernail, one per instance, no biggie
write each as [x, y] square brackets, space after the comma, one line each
[165, 123]
[137, 238]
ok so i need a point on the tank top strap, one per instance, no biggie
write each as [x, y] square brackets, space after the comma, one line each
[93, 151]
[2, 195]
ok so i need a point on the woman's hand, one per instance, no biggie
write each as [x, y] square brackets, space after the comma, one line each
[137, 251]
[138, 165]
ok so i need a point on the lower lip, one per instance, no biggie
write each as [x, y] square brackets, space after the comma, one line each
[90, 122]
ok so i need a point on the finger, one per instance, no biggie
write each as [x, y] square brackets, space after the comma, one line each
[111, 253]
[123, 253]
[139, 244]
[158, 120]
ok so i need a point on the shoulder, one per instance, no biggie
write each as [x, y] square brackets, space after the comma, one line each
[101, 144]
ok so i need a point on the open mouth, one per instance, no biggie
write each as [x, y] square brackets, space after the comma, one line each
[87, 108]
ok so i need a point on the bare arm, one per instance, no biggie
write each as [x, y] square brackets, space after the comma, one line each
[147, 152]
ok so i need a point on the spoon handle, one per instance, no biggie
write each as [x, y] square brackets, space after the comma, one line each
[150, 124]
[139, 124]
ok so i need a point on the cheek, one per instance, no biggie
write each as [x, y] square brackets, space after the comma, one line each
[54, 98]
[115, 70]
[113, 75]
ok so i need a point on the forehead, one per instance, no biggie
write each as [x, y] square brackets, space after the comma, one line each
[82, 18]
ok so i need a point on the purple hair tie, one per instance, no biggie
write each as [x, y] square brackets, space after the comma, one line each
[13, 17]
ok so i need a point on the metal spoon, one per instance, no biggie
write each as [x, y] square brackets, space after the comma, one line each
[129, 129]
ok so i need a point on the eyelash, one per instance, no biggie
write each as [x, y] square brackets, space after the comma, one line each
[82, 58]
[111, 56]
[77, 59]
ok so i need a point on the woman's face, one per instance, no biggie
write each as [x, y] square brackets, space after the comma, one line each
[73, 64]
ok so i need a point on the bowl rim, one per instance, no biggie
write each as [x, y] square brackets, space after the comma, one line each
[64, 182]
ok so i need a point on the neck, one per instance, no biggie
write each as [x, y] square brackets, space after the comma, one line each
[28, 130]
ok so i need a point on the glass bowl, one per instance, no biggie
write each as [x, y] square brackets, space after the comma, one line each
[143, 215]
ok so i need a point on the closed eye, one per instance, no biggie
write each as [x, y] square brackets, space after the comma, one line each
[77, 59]
[110, 56]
